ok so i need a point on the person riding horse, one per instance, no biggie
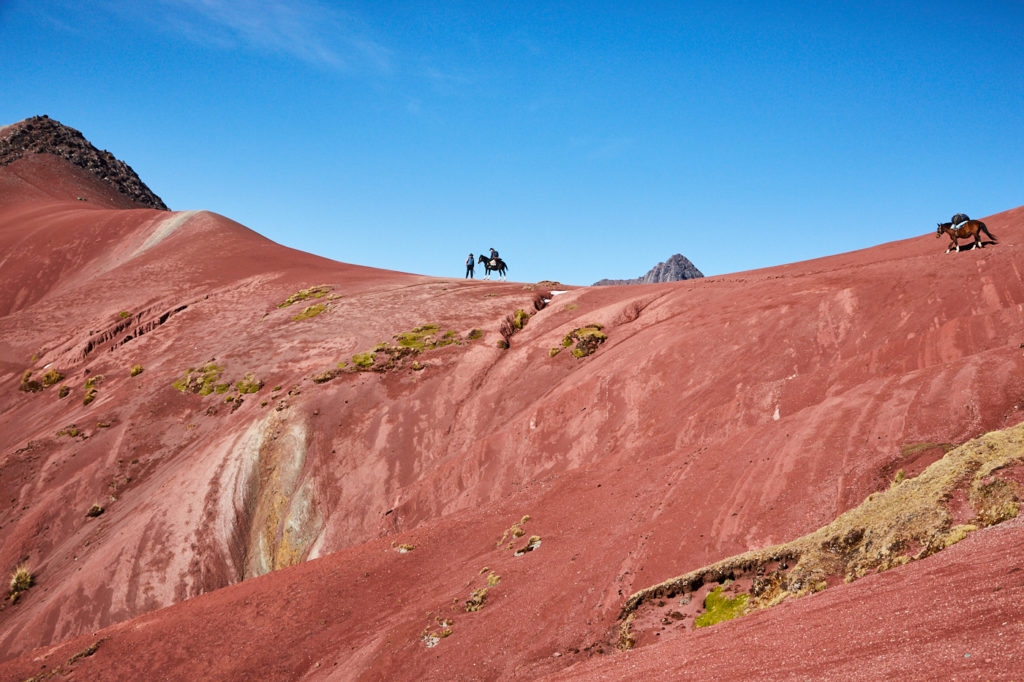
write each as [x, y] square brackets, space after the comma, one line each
[962, 227]
[494, 257]
[492, 265]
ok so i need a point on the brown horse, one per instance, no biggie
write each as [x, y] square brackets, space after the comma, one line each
[972, 228]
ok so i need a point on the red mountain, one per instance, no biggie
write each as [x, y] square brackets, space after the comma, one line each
[329, 471]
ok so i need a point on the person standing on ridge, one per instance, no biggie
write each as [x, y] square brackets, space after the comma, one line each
[470, 264]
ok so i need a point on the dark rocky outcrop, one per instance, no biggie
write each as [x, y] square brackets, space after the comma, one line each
[43, 135]
[676, 268]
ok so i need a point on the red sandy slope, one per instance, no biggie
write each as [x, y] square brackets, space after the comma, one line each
[721, 415]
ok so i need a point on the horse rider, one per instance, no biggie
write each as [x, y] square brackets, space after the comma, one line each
[958, 220]
[470, 264]
[494, 257]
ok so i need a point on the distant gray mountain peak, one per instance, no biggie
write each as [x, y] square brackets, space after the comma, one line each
[676, 268]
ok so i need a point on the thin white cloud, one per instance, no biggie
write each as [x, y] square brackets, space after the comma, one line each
[304, 29]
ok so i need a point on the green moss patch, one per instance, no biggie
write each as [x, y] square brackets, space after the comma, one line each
[90, 388]
[310, 311]
[586, 340]
[520, 318]
[136, 370]
[248, 384]
[424, 338]
[718, 608]
[386, 356]
[202, 380]
[318, 291]
[363, 360]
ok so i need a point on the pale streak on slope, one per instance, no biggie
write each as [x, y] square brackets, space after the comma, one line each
[164, 229]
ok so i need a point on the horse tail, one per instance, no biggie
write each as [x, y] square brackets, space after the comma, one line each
[984, 229]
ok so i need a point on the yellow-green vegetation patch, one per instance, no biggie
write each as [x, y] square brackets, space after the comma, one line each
[586, 338]
[28, 384]
[52, 377]
[405, 548]
[63, 391]
[476, 600]
[318, 291]
[94, 511]
[248, 384]
[423, 338]
[71, 431]
[474, 334]
[520, 318]
[914, 448]
[310, 311]
[363, 360]
[718, 608]
[21, 580]
[136, 370]
[513, 323]
[90, 389]
[325, 376]
[902, 523]
[202, 380]
[513, 533]
[123, 314]
[531, 544]
[386, 356]
[554, 351]
[431, 637]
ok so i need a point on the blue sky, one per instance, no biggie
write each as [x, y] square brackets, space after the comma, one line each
[582, 140]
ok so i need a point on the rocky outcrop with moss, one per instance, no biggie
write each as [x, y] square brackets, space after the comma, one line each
[973, 486]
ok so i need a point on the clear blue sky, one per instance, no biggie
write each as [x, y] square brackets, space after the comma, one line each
[582, 139]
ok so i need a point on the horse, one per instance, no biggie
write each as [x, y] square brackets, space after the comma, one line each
[972, 228]
[498, 267]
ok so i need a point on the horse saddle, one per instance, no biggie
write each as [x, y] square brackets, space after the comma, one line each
[494, 262]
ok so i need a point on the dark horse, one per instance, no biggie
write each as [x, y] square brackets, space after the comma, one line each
[498, 267]
[972, 228]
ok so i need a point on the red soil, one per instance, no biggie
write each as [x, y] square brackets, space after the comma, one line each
[731, 413]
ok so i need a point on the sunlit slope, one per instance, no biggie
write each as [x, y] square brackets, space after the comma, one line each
[717, 416]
